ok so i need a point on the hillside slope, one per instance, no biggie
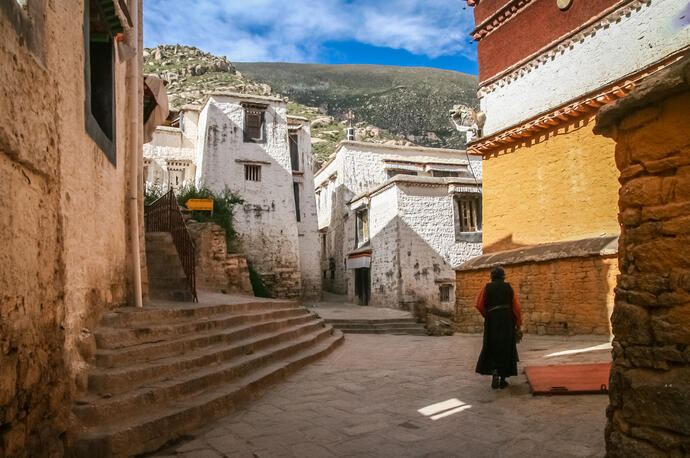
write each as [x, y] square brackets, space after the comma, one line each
[192, 74]
[410, 101]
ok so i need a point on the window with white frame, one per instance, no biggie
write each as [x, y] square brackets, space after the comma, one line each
[362, 229]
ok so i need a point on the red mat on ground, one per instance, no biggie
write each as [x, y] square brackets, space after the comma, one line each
[569, 378]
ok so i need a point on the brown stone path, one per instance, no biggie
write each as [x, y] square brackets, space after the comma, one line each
[364, 400]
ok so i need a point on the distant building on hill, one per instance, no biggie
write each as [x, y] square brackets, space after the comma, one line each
[249, 144]
[395, 220]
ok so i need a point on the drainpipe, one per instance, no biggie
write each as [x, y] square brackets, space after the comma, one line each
[134, 80]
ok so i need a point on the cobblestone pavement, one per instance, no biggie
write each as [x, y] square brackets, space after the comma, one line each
[379, 396]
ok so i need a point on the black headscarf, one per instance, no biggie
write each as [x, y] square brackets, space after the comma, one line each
[497, 273]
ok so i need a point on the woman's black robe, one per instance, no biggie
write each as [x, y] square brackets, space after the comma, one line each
[501, 310]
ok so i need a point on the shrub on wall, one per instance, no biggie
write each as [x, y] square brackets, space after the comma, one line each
[223, 206]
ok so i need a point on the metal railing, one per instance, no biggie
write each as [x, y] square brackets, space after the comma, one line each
[164, 215]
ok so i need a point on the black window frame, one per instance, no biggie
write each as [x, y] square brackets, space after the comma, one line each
[254, 109]
[296, 193]
[293, 139]
[107, 143]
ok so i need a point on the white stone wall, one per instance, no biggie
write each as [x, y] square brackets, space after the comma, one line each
[404, 218]
[612, 51]
[169, 145]
[384, 243]
[284, 251]
[428, 248]
[309, 241]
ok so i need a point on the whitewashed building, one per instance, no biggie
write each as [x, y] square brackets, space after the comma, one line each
[249, 144]
[395, 220]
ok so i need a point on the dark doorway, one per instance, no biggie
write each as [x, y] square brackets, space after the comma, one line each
[363, 285]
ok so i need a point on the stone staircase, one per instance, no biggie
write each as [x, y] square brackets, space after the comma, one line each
[160, 372]
[167, 279]
[398, 326]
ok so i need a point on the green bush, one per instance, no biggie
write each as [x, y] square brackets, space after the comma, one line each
[223, 206]
[152, 192]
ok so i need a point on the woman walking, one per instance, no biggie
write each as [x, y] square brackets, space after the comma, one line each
[499, 306]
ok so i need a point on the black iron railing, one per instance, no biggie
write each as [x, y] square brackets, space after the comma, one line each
[164, 215]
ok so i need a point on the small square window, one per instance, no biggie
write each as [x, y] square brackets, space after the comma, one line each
[252, 172]
[445, 292]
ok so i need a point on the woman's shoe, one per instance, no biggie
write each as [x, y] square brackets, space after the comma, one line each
[503, 383]
[495, 382]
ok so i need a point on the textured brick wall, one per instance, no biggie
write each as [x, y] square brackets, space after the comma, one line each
[649, 413]
[65, 256]
[562, 297]
[561, 187]
[216, 270]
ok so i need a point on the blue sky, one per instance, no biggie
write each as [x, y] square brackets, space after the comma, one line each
[429, 33]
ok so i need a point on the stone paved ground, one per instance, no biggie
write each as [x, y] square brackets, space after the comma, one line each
[364, 400]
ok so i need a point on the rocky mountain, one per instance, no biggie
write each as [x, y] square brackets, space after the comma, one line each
[412, 102]
[192, 73]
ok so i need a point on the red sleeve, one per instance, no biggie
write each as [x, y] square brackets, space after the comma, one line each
[481, 306]
[516, 310]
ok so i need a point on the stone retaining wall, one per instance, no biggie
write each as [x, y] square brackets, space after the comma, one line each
[558, 297]
[216, 269]
[649, 412]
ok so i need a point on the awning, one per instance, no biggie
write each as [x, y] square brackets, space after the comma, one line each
[359, 260]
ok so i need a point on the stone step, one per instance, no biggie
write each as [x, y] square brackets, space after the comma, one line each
[376, 325]
[171, 282]
[128, 316]
[120, 379]
[411, 331]
[372, 321]
[154, 254]
[111, 338]
[177, 294]
[158, 235]
[153, 351]
[150, 429]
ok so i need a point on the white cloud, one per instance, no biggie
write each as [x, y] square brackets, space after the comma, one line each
[281, 30]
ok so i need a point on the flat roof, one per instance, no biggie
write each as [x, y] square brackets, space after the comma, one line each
[244, 97]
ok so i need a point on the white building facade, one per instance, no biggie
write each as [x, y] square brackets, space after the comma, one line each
[394, 221]
[250, 145]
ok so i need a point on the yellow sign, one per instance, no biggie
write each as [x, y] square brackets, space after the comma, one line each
[200, 204]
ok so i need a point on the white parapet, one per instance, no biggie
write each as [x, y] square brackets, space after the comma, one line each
[629, 39]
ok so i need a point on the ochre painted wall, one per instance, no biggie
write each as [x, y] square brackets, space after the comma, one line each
[562, 186]
[562, 297]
